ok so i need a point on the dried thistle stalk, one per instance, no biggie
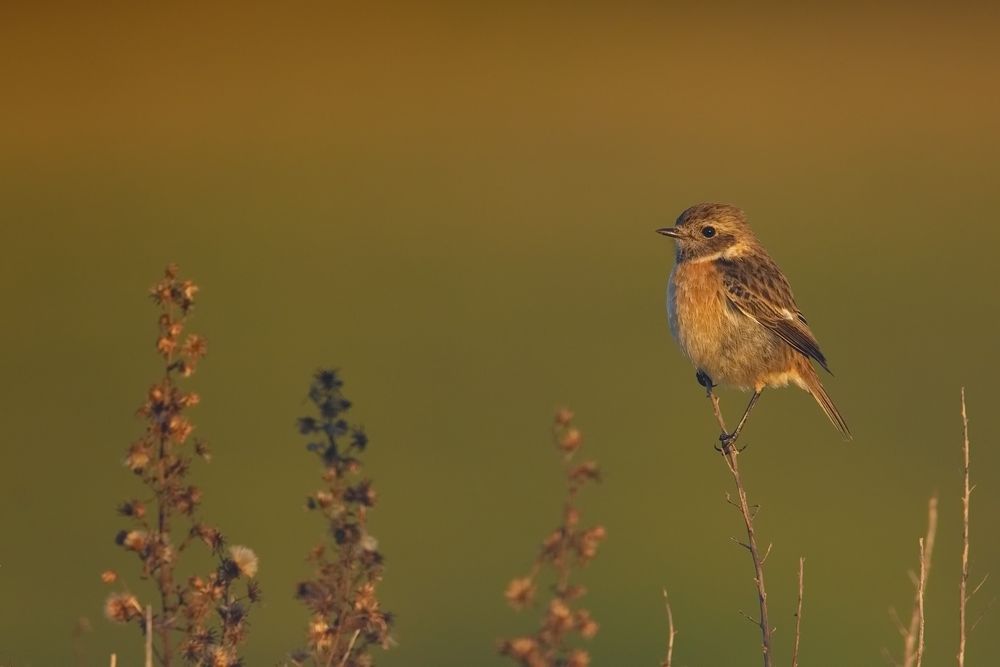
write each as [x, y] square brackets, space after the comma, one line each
[202, 618]
[347, 619]
[569, 547]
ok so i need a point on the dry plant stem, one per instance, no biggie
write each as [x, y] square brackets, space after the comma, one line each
[165, 576]
[964, 581]
[731, 456]
[149, 636]
[671, 632]
[350, 647]
[911, 634]
[921, 587]
[114, 660]
[798, 615]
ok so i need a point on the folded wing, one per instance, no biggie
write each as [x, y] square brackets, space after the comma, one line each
[760, 291]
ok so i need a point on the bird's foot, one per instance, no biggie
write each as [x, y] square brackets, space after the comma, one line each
[705, 381]
[727, 443]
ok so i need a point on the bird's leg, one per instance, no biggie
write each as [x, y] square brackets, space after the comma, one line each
[705, 381]
[727, 439]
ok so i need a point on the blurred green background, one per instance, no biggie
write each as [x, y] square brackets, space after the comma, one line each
[455, 205]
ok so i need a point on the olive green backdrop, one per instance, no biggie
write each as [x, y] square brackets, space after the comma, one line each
[455, 205]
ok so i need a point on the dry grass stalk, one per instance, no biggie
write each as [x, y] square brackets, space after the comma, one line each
[347, 619]
[912, 632]
[925, 564]
[731, 456]
[798, 615]
[567, 547]
[671, 632]
[964, 581]
[149, 635]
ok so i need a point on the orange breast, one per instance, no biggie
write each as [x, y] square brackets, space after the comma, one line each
[720, 340]
[698, 311]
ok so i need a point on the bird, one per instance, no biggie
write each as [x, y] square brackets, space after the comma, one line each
[732, 312]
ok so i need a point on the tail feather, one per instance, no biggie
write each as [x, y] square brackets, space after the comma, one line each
[815, 387]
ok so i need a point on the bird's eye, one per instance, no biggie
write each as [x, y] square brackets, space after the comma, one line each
[708, 232]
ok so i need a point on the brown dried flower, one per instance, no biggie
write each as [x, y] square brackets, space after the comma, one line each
[567, 546]
[245, 560]
[520, 592]
[122, 607]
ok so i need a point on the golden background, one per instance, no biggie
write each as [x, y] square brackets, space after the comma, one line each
[455, 205]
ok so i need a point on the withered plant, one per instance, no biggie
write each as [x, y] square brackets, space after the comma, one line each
[347, 620]
[567, 548]
[202, 619]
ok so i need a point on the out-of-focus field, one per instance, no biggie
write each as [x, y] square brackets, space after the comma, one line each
[456, 205]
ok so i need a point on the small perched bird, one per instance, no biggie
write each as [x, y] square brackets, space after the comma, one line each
[732, 312]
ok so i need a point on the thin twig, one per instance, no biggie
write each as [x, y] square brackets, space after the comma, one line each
[898, 622]
[920, 600]
[731, 455]
[114, 660]
[671, 632]
[149, 635]
[912, 634]
[350, 647]
[972, 628]
[979, 585]
[963, 582]
[798, 616]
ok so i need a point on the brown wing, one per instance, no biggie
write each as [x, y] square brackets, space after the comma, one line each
[758, 289]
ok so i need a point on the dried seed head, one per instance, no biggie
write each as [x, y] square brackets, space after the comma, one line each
[586, 624]
[520, 648]
[122, 607]
[189, 289]
[520, 592]
[138, 457]
[585, 472]
[368, 542]
[134, 540]
[165, 345]
[560, 617]
[195, 347]
[222, 657]
[589, 541]
[245, 560]
[324, 499]
[319, 634]
[571, 440]
[365, 600]
[179, 428]
[564, 416]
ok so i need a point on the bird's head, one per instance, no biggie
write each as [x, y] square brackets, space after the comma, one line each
[710, 231]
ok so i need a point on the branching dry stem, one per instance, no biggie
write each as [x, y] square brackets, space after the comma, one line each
[798, 615]
[731, 455]
[913, 634]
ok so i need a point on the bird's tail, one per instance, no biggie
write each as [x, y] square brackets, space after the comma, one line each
[813, 385]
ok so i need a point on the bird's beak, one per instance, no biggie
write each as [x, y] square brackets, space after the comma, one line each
[672, 232]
